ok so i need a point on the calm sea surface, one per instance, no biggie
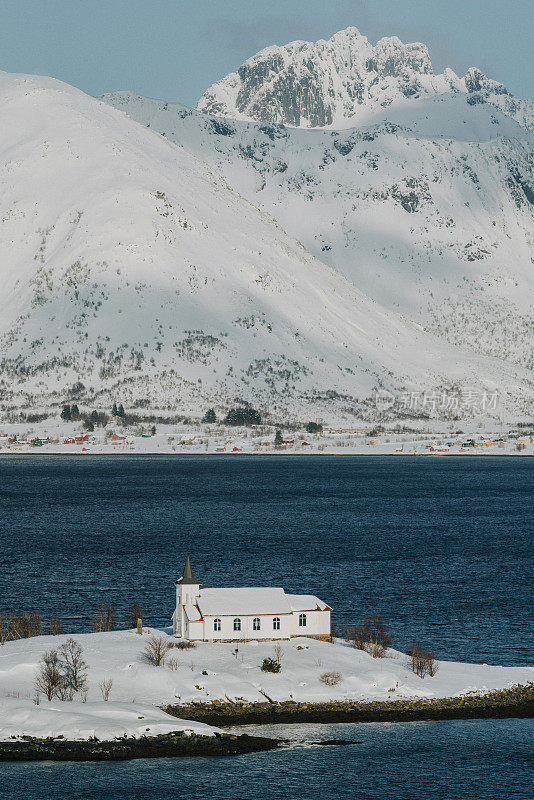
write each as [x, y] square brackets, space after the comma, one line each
[442, 547]
[467, 760]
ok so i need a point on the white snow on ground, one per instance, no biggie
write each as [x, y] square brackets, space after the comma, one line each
[74, 721]
[214, 672]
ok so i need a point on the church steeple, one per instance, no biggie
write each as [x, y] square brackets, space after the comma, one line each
[187, 575]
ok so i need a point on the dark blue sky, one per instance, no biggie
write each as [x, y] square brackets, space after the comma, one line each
[174, 49]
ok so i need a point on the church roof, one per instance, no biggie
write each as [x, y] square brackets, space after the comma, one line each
[187, 575]
[248, 601]
[306, 602]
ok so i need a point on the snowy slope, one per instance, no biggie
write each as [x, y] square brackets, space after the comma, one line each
[78, 721]
[213, 672]
[136, 271]
[337, 82]
[428, 207]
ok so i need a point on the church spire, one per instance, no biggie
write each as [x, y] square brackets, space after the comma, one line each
[187, 575]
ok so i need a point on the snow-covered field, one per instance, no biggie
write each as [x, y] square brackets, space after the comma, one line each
[211, 672]
[77, 721]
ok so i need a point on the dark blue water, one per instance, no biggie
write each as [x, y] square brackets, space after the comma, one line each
[475, 760]
[441, 547]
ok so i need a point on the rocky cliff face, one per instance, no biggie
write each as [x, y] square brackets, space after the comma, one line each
[336, 83]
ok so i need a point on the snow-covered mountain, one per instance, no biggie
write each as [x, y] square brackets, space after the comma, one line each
[338, 82]
[131, 268]
[226, 260]
[428, 208]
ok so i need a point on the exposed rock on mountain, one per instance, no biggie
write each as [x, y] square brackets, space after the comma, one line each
[430, 211]
[134, 270]
[335, 83]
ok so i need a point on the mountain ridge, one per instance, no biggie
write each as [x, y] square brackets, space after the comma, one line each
[136, 272]
[329, 83]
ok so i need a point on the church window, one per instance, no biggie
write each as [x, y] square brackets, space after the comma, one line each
[256, 624]
[302, 620]
[237, 624]
[216, 624]
[276, 623]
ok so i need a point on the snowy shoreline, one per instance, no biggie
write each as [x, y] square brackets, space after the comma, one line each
[210, 675]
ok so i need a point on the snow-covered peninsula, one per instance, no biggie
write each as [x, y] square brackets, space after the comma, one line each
[211, 673]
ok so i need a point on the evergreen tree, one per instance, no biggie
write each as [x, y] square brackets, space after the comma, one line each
[210, 416]
[278, 441]
[114, 410]
[88, 425]
[94, 416]
[65, 414]
[243, 416]
[74, 411]
[120, 411]
[314, 427]
[153, 430]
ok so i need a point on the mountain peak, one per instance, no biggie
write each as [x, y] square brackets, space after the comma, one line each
[337, 82]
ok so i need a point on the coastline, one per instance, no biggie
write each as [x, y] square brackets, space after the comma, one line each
[516, 702]
[168, 745]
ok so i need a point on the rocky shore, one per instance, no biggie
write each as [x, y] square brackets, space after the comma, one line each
[174, 744]
[517, 701]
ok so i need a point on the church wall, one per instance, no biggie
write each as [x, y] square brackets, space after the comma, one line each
[266, 632]
[317, 624]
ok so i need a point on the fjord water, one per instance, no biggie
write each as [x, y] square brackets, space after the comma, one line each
[440, 546]
[459, 760]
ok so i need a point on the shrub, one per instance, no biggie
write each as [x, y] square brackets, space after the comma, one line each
[372, 635]
[423, 662]
[105, 688]
[56, 626]
[156, 650]
[104, 619]
[183, 644]
[271, 665]
[331, 678]
[314, 427]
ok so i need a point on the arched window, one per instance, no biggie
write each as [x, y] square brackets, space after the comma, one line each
[216, 624]
[237, 624]
[256, 624]
[276, 623]
[302, 620]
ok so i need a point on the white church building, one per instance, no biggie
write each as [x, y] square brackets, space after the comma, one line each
[241, 614]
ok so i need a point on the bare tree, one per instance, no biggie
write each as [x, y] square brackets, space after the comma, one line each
[56, 626]
[422, 661]
[156, 650]
[73, 665]
[5, 630]
[105, 688]
[24, 626]
[104, 619]
[49, 678]
[278, 653]
[372, 635]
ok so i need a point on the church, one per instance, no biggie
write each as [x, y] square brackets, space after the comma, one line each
[244, 614]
